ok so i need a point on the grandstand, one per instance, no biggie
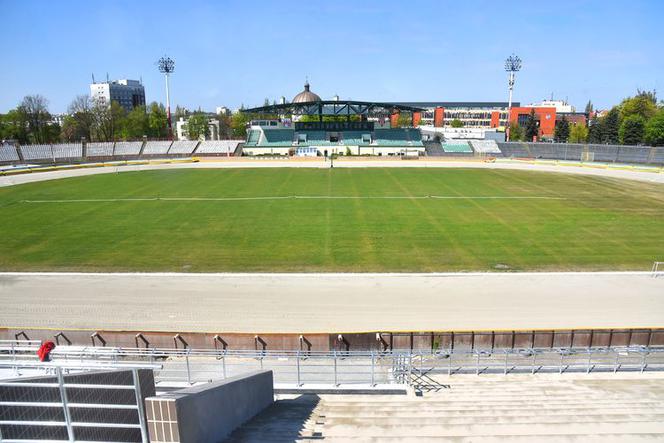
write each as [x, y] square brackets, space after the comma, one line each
[8, 153]
[100, 149]
[224, 147]
[36, 152]
[485, 146]
[127, 148]
[67, 151]
[183, 147]
[156, 147]
[457, 147]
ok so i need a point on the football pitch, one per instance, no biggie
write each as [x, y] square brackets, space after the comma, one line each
[326, 220]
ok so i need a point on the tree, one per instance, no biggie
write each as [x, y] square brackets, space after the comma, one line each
[34, 110]
[589, 107]
[611, 127]
[239, 122]
[107, 121]
[632, 130]
[14, 126]
[157, 121]
[225, 126]
[79, 122]
[404, 120]
[578, 133]
[516, 132]
[643, 104]
[532, 126]
[456, 123]
[561, 131]
[595, 130]
[654, 130]
[135, 124]
[197, 126]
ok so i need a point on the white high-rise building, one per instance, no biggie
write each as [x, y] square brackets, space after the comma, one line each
[128, 93]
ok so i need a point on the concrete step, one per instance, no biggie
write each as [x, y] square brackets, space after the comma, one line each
[406, 430]
[415, 438]
[450, 410]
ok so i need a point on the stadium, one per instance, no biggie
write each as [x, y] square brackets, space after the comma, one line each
[336, 252]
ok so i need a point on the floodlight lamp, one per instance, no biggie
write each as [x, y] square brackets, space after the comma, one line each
[166, 65]
[513, 63]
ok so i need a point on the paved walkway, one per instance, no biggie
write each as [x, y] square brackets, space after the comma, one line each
[308, 303]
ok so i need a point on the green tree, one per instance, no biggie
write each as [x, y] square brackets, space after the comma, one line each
[79, 122]
[107, 121]
[456, 123]
[14, 126]
[595, 130]
[561, 131]
[516, 132]
[632, 130]
[644, 104]
[578, 133]
[589, 108]
[404, 120]
[611, 127]
[197, 126]
[532, 126]
[239, 122]
[225, 126]
[654, 130]
[135, 124]
[157, 121]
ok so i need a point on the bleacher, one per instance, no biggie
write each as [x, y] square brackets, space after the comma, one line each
[185, 147]
[156, 147]
[603, 153]
[8, 153]
[218, 146]
[633, 154]
[658, 156]
[392, 137]
[68, 151]
[414, 135]
[356, 138]
[99, 149]
[253, 137]
[36, 152]
[514, 149]
[485, 146]
[277, 137]
[457, 147]
[316, 138]
[127, 148]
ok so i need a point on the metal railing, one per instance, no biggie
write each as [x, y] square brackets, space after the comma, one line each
[58, 371]
[355, 367]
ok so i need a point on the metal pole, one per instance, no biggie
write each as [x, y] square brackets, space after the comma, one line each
[223, 364]
[65, 405]
[532, 371]
[477, 366]
[298, 368]
[335, 368]
[449, 364]
[168, 108]
[588, 365]
[186, 357]
[139, 404]
[373, 364]
[643, 362]
[509, 104]
[505, 370]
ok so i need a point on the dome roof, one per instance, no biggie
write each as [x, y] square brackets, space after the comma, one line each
[306, 96]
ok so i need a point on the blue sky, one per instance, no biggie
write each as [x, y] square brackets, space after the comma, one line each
[233, 52]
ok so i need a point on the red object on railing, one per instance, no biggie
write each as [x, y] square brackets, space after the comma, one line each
[44, 350]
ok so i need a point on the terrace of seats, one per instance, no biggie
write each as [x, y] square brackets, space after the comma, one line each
[457, 147]
[183, 147]
[658, 155]
[127, 148]
[67, 150]
[515, 149]
[253, 137]
[277, 137]
[633, 154]
[485, 146]
[156, 147]
[392, 137]
[315, 138]
[8, 153]
[36, 152]
[217, 146]
[355, 138]
[99, 149]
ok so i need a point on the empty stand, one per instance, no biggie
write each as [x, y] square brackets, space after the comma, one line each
[99, 149]
[394, 137]
[8, 153]
[633, 154]
[457, 147]
[485, 146]
[156, 147]
[317, 138]
[253, 137]
[514, 149]
[218, 146]
[658, 155]
[603, 153]
[183, 147]
[68, 151]
[356, 138]
[37, 152]
[277, 137]
[127, 148]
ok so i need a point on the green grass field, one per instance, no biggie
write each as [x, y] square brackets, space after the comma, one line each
[573, 223]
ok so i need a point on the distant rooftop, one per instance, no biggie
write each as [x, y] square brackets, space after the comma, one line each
[491, 105]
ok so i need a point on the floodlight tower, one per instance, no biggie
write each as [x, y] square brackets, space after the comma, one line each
[166, 66]
[512, 65]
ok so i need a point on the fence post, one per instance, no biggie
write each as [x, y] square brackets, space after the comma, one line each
[298, 368]
[643, 362]
[449, 364]
[532, 369]
[65, 404]
[477, 365]
[336, 383]
[505, 369]
[139, 404]
[186, 357]
[373, 364]
[223, 363]
[588, 364]
[615, 362]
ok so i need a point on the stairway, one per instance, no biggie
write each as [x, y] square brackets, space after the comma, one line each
[479, 409]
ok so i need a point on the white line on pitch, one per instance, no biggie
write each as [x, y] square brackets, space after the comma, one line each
[294, 197]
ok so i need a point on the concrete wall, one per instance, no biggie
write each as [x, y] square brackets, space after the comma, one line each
[209, 412]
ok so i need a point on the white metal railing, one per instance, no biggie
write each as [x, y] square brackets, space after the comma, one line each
[58, 371]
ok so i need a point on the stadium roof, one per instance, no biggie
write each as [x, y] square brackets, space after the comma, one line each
[492, 105]
[335, 108]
